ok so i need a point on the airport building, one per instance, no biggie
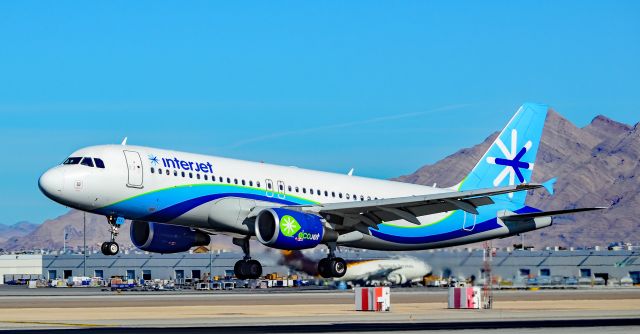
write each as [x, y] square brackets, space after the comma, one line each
[517, 267]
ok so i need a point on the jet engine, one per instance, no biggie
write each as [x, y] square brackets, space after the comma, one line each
[166, 239]
[289, 229]
[396, 278]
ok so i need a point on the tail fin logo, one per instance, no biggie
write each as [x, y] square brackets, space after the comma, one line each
[512, 161]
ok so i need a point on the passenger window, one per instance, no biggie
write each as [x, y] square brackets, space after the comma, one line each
[167, 171]
[153, 170]
[289, 187]
[206, 178]
[235, 181]
[87, 162]
[190, 175]
[258, 184]
[182, 174]
[318, 192]
[333, 194]
[72, 161]
[229, 180]
[297, 189]
[220, 179]
[250, 183]
[243, 183]
[304, 190]
[347, 195]
[368, 198]
[268, 185]
[281, 187]
[326, 193]
[175, 173]
[159, 171]
[361, 198]
[340, 195]
[99, 162]
[198, 176]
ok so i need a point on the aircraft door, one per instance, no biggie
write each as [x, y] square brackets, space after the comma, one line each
[134, 169]
[268, 184]
[280, 191]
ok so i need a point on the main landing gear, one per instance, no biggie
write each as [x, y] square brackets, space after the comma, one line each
[246, 268]
[112, 247]
[332, 266]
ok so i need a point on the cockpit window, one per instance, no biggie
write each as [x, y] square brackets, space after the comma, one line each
[100, 163]
[72, 161]
[87, 161]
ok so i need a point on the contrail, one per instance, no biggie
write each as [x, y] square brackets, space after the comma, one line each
[343, 125]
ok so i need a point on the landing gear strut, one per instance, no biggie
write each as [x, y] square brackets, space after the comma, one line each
[332, 266]
[112, 247]
[246, 268]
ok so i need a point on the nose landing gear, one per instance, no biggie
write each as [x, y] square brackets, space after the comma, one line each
[332, 266]
[112, 247]
[246, 268]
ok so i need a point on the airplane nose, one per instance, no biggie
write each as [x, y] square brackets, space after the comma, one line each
[51, 181]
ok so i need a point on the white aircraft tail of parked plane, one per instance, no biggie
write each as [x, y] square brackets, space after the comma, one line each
[175, 200]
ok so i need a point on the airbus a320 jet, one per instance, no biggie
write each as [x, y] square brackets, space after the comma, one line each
[176, 200]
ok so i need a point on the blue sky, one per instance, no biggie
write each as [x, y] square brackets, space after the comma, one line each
[384, 87]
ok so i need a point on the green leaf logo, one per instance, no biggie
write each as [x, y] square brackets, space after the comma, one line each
[288, 226]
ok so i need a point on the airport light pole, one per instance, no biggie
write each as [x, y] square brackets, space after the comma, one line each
[84, 245]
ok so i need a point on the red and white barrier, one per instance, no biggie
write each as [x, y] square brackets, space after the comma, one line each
[464, 297]
[373, 299]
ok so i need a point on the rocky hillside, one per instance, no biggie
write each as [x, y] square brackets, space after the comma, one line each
[597, 165]
[18, 229]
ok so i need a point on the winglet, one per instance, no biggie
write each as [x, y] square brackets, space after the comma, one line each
[549, 185]
[124, 141]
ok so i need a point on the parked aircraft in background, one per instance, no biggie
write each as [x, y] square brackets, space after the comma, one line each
[397, 271]
[175, 200]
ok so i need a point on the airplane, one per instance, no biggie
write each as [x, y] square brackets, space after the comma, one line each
[398, 270]
[176, 200]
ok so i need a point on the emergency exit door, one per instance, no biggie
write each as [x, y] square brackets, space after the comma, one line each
[134, 169]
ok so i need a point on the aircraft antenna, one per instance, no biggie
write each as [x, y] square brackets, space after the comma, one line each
[124, 141]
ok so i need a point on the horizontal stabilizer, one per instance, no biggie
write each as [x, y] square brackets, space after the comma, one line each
[526, 216]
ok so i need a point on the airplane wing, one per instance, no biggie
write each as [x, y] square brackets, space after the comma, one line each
[362, 215]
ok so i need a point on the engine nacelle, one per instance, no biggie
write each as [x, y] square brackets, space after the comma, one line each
[396, 278]
[165, 239]
[289, 229]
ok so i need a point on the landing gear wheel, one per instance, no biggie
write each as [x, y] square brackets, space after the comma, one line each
[324, 268]
[110, 248]
[247, 269]
[114, 248]
[253, 269]
[337, 267]
[238, 269]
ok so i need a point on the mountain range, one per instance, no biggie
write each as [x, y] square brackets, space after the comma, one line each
[597, 165]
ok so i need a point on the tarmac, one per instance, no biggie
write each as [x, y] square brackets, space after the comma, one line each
[312, 311]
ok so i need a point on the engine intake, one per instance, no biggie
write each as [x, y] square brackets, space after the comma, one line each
[289, 229]
[165, 239]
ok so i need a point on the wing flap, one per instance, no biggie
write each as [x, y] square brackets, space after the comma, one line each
[527, 216]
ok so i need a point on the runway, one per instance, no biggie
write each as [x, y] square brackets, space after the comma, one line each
[288, 311]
